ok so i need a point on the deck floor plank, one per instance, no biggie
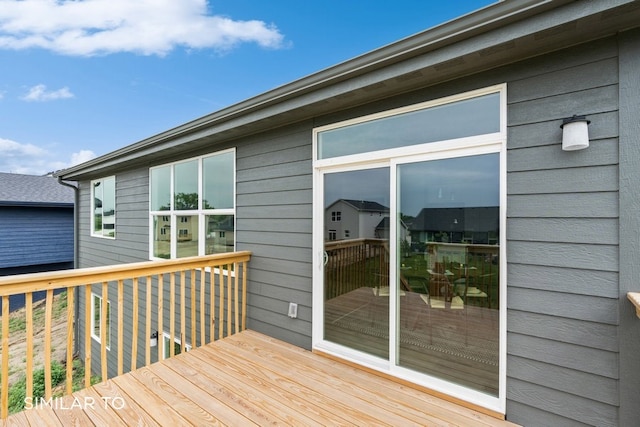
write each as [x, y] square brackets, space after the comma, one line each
[41, 417]
[189, 381]
[263, 400]
[405, 397]
[130, 412]
[174, 398]
[155, 406]
[70, 414]
[101, 412]
[253, 379]
[347, 382]
[206, 375]
[292, 399]
[323, 389]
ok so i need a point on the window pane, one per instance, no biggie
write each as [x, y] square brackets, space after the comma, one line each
[187, 235]
[186, 186]
[162, 236]
[97, 207]
[109, 207]
[108, 323]
[96, 316]
[475, 116]
[220, 234]
[161, 189]
[356, 267]
[218, 181]
[448, 228]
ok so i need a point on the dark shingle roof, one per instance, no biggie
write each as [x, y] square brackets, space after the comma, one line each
[364, 205]
[29, 190]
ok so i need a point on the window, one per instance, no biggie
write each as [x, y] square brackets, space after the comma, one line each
[96, 317]
[103, 206]
[336, 216]
[177, 346]
[192, 206]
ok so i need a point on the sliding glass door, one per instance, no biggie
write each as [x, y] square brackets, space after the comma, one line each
[409, 214]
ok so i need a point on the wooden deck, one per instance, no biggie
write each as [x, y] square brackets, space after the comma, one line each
[250, 379]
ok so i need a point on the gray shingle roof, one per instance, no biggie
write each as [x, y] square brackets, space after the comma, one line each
[22, 190]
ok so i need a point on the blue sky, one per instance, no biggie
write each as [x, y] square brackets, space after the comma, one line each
[79, 79]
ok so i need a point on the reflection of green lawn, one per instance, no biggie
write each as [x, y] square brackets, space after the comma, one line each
[187, 248]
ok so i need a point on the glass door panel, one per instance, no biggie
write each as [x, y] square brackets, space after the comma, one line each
[356, 259]
[448, 226]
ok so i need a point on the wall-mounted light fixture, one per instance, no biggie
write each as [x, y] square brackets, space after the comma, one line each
[575, 133]
[153, 342]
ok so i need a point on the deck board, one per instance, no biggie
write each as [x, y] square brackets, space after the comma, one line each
[252, 379]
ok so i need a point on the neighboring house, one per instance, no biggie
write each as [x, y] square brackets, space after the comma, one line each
[465, 115]
[36, 224]
[354, 219]
[472, 225]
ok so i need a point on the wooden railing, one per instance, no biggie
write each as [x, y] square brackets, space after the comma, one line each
[210, 289]
[354, 263]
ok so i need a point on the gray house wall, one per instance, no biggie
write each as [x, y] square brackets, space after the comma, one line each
[563, 231]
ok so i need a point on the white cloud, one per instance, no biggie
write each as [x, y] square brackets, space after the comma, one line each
[30, 159]
[40, 93]
[149, 27]
[81, 157]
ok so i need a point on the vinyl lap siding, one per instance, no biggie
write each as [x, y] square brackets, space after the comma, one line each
[130, 245]
[562, 362]
[35, 236]
[274, 194]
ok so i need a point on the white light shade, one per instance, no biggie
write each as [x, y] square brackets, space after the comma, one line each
[575, 133]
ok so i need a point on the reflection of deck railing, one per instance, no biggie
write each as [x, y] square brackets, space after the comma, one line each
[209, 290]
[351, 264]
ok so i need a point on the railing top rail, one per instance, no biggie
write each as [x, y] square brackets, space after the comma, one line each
[33, 282]
[338, 244]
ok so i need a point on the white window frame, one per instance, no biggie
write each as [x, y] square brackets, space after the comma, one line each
[200, 213]
[467, 146]
[93, 325]
[166, 341]
[93, 201]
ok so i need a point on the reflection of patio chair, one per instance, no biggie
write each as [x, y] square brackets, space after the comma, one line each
[439, 283]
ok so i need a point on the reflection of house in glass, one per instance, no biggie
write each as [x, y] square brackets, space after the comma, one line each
[353, 219]
[478, 225]
[220, 234]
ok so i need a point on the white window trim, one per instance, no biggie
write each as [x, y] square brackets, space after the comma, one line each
[481, 144]
[200, 213]
[93, 320]
[93, 218]
[166, 337]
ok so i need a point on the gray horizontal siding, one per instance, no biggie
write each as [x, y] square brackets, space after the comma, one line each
[574, 407]
[273, 220]
[562, 241]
